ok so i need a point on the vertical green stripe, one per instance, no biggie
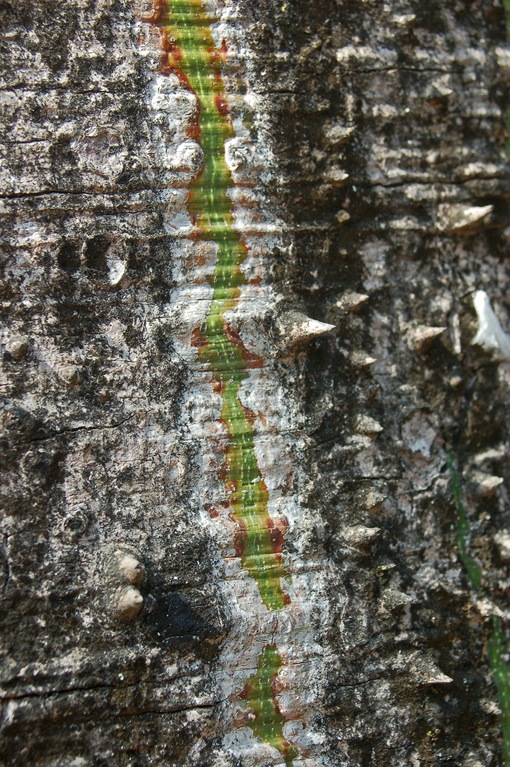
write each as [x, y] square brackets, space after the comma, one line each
[260, 695]
[497, 652]
[221, 351]
[497, 647]
[224, 356]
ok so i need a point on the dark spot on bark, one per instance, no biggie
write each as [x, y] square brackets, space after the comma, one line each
[68, 257]
[173, 620]
[95, 256]
[21, 427]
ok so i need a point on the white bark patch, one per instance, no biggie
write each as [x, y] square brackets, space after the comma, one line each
[101, 151]
[490, 335]
[418, 434]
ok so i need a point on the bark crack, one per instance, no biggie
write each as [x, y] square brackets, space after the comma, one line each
[93, 688]
[430, 182]
[76, 429]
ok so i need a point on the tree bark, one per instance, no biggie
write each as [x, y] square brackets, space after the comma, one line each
[365, 187]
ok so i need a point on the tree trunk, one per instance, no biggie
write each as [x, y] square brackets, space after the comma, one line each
[255, 470]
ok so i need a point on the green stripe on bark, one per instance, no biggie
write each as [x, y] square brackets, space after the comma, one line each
[497, 652]
[260, 696]
[223, 353]
[473, 570]
[497, 648]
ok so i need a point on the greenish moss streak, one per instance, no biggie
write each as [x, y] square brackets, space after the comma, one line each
[473, 571]
[189, 50]
[223, 353]
[259, 693]
[497, 648]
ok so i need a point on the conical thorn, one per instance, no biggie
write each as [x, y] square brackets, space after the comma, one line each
[350, 302]
[360, 536]
[462, 218]
[421, 337]
[296, 329]
[366, 425]
[360, 360]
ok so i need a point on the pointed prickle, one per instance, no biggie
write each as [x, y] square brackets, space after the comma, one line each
[373, 499]
[462, 218]
[502, 541]
[503, 58]
[296, 329]
[336, 135]
[486, 484]
[405, 19]
[360, 536]
[366, 425]
[350, 302]
[336, 176]
[440, 88]
[422, 336]
[424, 670]
[392, 599]
[361, 361]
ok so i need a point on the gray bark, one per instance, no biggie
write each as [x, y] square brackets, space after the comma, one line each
[105, 446]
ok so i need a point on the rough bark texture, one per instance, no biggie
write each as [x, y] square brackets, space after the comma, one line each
[108, 442]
